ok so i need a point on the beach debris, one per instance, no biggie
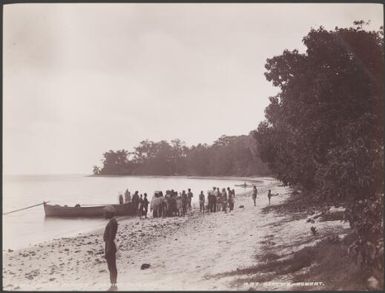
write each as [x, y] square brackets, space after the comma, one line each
[241, 206]
[10, 250]
[98, 261]
[102, 271]
[52, 279]
[334, 239]
[373, 283]
[313, 230]
[145, 266]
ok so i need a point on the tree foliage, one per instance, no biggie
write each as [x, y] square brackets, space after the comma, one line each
[324, 129]
[227, 156]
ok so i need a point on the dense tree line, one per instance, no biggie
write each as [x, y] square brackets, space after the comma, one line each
[324, 129]
[227, 156]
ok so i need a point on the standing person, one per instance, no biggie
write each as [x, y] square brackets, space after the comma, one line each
[184, 202]
[127, 196]
[231, 199]
[208, 204]
[189, 197]
[120, 199]
[145, 206]
[214, 198]
[110, 247]
[224, 200]
[219, 199]
[213, 204]
[179, 205]
[254, 195]
[209, 201]
[269, 195]
[202, 202]
[135, 200]
[140, 204]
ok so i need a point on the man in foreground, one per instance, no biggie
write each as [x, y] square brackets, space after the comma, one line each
[110, 247]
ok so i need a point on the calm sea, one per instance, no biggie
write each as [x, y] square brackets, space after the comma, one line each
[30, 226]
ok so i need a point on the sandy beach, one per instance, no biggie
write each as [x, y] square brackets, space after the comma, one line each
[196, 252]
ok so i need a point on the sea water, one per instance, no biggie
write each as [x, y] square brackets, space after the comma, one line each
[30, 226]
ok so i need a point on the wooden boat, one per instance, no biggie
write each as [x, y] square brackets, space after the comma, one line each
[126, 209]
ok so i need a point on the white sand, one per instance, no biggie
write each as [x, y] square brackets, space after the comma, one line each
[183, 252]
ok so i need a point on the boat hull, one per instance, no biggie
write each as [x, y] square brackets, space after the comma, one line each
[87, 211]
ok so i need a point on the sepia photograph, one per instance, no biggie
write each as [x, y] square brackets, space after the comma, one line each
[193, 146]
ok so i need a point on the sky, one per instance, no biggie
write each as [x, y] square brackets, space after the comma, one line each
[81, 79]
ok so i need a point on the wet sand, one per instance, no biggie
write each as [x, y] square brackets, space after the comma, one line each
[184, 253]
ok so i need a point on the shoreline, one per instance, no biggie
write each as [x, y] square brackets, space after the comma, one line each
[47, 231]
[240, 178]
[187, 253]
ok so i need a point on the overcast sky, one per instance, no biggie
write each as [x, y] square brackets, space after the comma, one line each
[80, 79]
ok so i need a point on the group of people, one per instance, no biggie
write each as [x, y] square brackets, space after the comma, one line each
[171, 203]
[139, 202]
[217, 200]
[180, 202]
[183, 200]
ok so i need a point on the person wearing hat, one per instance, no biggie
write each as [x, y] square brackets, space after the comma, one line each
[110, 247]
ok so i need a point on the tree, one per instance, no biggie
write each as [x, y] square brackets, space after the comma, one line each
[228, 156]
[96, 170]
[197, 160]
[115, 163]
[324, 129]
